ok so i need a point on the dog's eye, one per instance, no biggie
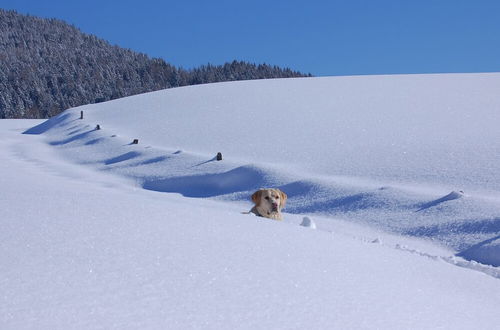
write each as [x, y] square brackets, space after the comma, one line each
[277, 197]
[267, 197]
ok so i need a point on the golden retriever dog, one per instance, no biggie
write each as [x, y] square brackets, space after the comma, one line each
[269, 203]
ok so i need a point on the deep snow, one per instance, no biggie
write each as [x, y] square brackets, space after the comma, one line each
[378, 163]
[86, 250]
[386, 151]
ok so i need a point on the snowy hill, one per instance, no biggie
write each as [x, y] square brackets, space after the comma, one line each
[400, 174]
[386, 151]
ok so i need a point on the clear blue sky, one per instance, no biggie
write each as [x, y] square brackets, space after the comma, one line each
[321, 37]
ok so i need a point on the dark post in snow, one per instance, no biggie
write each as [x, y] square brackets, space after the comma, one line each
[219, 156]
[98, 127]
[136, 141]
[81, 114]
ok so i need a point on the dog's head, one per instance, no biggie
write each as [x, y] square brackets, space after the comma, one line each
[269, 202]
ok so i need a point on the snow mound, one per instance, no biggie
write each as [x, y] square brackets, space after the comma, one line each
[487, 252]
[308, 222]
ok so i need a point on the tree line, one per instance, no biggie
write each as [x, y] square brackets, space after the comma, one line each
[48, 65]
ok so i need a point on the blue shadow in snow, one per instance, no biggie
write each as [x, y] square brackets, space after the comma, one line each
[48, 124]
[75, 131]
[206, 162]
[94, 141]
[122, 158]
[243, 178]
[477, 253]
[451, 196]
[154, 160]
[71, 139]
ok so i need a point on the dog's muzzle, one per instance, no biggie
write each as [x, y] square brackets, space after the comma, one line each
[274, 207]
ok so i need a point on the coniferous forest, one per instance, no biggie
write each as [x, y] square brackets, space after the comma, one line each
[47, 66]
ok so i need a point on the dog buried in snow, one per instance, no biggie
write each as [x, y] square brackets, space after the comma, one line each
[269, 203]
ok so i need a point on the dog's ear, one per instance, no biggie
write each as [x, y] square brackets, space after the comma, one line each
[283, 197]
[256, 197]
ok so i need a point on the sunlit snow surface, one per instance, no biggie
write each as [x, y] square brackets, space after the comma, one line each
[386, 151]
[399, 174]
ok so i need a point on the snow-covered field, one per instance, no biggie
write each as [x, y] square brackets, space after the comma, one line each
[399, 173]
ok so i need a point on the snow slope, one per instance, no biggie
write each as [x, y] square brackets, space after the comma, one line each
[381, 128]
[92, 237]
[82, 249]
[415, 155]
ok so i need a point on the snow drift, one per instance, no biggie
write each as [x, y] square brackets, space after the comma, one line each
[414, 155]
